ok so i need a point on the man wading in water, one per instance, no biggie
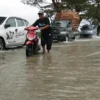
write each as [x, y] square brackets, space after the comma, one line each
[46, 32]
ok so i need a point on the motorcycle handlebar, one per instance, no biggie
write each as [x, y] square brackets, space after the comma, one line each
[31, 28]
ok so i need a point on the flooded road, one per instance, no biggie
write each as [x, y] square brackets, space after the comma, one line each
[70, 72]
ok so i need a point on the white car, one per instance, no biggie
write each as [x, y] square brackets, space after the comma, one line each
[88, 31]
[12, 33]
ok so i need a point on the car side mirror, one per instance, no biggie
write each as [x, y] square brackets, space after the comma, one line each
[7, 25]
[68, 25]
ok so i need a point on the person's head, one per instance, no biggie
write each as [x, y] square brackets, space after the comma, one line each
[41, 14]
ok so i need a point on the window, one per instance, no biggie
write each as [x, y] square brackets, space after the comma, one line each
[2, 20]
[85, 27]
[61, 23]
[26, 23]
[11, 22]
[20, 22]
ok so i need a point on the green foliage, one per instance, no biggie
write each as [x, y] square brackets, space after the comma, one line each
[91, 6]
[78, 5]
[32, 2]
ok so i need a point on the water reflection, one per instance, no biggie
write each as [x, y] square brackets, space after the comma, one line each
[2, 58]
[71, 72]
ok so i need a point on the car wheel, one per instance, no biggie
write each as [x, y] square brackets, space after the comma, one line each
[73, 38]
[64, 38]
[69, 38]
[2, 44]
[81, 36]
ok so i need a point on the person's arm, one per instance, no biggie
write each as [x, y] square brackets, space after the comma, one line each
[35, 23]
[47, 22]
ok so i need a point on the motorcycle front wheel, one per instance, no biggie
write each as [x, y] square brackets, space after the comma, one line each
[29, 51]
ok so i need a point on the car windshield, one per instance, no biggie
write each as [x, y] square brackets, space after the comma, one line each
[2, 20]
[62, 23]
[88, 27]
[92, 27]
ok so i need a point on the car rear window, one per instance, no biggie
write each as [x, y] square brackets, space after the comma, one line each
[2, 20]
[85, 27]
[62, 23]
[88, 27]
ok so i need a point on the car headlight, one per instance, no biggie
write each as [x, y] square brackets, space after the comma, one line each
[63, 33]
[91, 32]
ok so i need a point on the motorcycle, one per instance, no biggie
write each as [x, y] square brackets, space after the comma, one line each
[32, 41]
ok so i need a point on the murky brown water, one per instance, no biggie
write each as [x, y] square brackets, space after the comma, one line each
[70, 72]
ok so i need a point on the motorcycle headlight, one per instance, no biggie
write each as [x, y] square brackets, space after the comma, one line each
[30, 38]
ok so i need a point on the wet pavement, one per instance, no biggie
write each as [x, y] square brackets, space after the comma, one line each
[70, 72]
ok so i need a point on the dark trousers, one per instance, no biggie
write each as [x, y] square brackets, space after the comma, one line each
[98, 30]
[46, 40]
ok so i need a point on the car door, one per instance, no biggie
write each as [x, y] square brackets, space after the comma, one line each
[70, 30]
[10, 31]
[20, 34]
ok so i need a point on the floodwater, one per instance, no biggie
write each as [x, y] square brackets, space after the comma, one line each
[70, 72]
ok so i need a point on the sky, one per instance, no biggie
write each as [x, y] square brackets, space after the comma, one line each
[16, 8]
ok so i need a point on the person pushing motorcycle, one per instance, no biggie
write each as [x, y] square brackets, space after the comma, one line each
[46, 32]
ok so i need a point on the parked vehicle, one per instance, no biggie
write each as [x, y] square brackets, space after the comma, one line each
[65, 24]
[12, 33]
[32, 41]
[59, 30]
[88, 30]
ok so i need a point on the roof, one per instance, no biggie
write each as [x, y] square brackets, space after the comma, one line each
[13, 16]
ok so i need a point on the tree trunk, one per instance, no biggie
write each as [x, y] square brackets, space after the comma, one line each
[55, 3]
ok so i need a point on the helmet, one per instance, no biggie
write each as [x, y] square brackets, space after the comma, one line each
[41, 12]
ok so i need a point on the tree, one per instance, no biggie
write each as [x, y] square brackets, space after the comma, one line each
[32, 2]
[38, 3]
[92, 7]
[94, 10]
[78, 5]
